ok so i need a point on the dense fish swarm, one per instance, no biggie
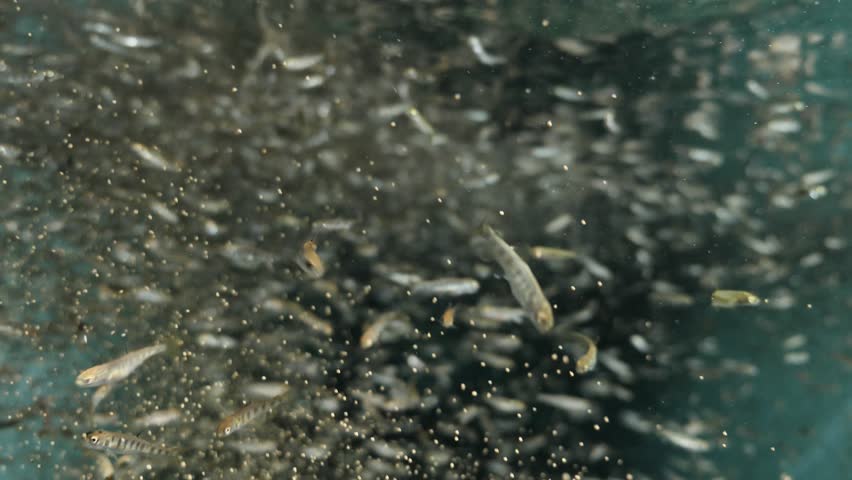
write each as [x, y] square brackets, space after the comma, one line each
[286, 200]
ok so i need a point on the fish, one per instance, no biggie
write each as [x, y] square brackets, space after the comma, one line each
[449, 286]
[481, 55]
[733, 298]
[123, 443]
[373, 332]
[552, 254]
[574, 405]
[525, 287]
[118, 369]
[209, 340]
[685, 441]
[297, 312]
[244, 416]
[100, 394]
[152, 157]
[310, 262]
[332, 225]
[448, 317]
[103, 467]
[586, 363]
[158, 418]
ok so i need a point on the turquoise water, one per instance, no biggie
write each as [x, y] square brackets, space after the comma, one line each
[387, 117]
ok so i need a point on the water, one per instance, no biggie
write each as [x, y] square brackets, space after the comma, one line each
[163, 164]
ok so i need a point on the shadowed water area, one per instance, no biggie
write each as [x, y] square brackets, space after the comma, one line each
[290, 198]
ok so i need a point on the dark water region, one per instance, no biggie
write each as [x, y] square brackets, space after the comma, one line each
[288, 197]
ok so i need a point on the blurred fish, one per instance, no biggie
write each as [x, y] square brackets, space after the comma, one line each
[448, 317]
[310, 262]
[733, 298]
[449, 286]
[373, 332]
[158, 418]
[576, 406]
[332, 225]
[483, 56]
[152, 157]
[308, 318]
[552, 254]
[101, 393]
[103, 467]
[685, 441]
[223, 342]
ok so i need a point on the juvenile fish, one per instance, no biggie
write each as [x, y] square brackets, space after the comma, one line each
[251, 412]
[373, 332]
[158, 418]
[103, 467]
[123, 443]
[332, 225]
[118, 369]
[297, 312]
[310, 262]
[448, 318]
[100, 394]
[733, 298]
[586, 363]
[152, 157]
[449, 286]
[523, 283]
[685, 441]
[577, 406]
[552, 254]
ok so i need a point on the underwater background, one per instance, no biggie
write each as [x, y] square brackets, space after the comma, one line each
[167, 168]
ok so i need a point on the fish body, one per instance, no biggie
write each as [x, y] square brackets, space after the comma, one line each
[733, 298]
[118, 369]
[118, 443]
[552, 254]
[310, 262]
[251, 412]
[158, 418]
[587, 362]
[449, 286]
[296, 312]
[373, 332]
[100, 394]
[448, 318]
[525, 287]
[103, 467]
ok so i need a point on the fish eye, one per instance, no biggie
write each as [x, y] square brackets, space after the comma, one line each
[93, 439]
[227, 430]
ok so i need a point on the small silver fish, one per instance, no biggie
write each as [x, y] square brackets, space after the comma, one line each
[523, 283]
[123, 443]
[449, 286]
[100, 394]
[251, 412]
[118, 369]
[158, 418]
